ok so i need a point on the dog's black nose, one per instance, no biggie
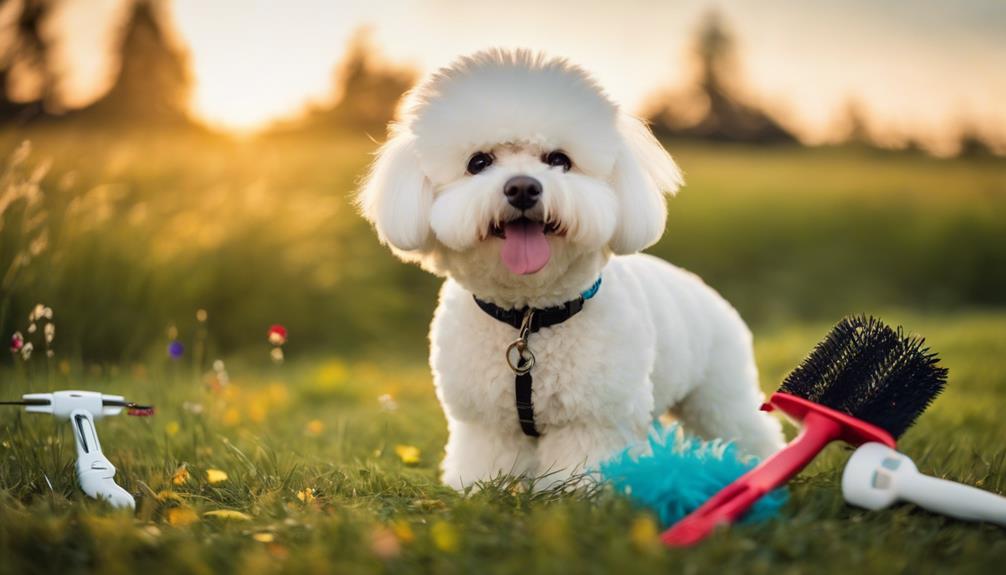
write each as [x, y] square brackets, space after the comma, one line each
[522, 191]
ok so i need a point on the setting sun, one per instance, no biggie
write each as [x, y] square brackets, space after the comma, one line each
[258, 61]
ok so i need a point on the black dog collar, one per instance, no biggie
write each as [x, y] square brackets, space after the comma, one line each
[519, 356]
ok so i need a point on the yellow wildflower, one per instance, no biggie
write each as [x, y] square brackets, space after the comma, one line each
[215, 476]
[257, 410]
[277, 393]
[644, 534]
[228, 514]
[445, 537]
[181, 516]
[403, 531]
[331, 374]
[172, 428]
[409, 454]
[232, 416]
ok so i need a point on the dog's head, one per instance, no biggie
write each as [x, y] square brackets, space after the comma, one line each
[515, 174]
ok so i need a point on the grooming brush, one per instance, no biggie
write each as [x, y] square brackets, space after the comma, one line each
[865, 382]
[877, 476]
[95, 473]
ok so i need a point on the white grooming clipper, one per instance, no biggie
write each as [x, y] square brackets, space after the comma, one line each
[877, 476]
[95, 472]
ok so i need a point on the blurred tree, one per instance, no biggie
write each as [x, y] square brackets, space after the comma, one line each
[974, 144]
[366, 88]
[855, 126]
[913, 145]
[722, 115]
[152, 85]
[27, 79]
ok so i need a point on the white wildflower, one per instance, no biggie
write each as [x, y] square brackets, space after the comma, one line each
[277, 354]
[192, 407]
[220, 370]
[387, 402]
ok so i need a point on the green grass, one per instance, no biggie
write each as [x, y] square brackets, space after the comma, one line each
[373, 513]
[794, 234]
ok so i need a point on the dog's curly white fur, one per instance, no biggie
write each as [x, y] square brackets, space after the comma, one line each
[655, 338]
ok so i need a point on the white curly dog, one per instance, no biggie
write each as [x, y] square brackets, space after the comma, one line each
[518, 179]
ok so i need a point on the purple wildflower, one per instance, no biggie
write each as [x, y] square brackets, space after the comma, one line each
[175, 349]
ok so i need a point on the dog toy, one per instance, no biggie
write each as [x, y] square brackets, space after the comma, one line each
[865, 382]
[95, 472]
[877, 476]
[676, 472]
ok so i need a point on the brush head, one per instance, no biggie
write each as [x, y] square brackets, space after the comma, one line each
[870, 371]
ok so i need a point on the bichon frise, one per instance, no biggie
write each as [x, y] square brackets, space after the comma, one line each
[514, 176]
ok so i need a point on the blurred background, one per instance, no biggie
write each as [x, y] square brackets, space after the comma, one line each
[182, 171]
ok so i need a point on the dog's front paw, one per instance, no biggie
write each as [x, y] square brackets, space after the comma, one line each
[477, 454]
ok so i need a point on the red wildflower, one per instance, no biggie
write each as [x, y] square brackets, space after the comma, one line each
[277, 334]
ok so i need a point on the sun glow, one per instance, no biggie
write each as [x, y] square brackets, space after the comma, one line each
[256, 61]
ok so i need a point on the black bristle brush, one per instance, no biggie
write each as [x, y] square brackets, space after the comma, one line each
[864, 382]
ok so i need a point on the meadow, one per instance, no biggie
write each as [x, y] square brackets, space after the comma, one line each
[327, 462]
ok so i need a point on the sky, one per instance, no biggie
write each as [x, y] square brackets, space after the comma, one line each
[918, 67]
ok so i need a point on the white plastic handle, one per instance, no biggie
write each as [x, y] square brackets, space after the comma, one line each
[95, 472]
[953, 499]
[876, 476]
[62, 403]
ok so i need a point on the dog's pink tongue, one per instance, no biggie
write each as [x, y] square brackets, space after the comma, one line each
[525, 249]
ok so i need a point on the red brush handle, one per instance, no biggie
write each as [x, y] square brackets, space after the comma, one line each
[735, 499]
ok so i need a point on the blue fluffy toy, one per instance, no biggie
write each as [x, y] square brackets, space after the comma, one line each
[675, 473]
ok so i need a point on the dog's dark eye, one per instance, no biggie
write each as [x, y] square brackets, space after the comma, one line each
[558, 159]
[478, 162]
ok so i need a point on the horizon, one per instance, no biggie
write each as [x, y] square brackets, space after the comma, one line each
[254, 63]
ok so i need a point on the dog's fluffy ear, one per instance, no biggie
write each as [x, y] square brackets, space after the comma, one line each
[396, 196]
[643, 173]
